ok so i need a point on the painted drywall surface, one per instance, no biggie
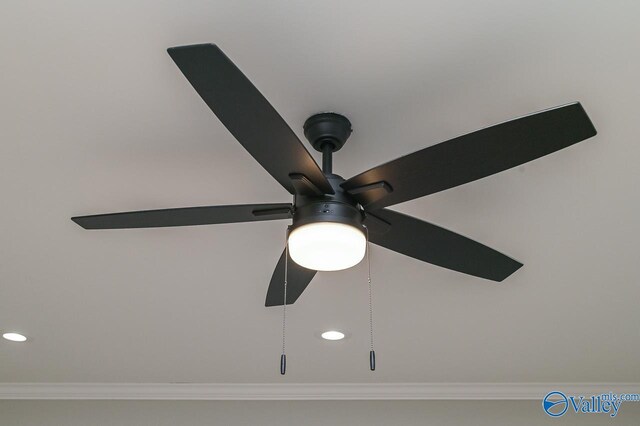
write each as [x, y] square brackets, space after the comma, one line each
[96, 117]
[309, 413]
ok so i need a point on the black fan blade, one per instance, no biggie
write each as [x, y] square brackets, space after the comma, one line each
[247, 114]
[186, 216]
[471, 157]
[433, 244]
[298, 279]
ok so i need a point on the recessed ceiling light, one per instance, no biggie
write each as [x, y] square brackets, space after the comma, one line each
[333, 335]
[14, 337]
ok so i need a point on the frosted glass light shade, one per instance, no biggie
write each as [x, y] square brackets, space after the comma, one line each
[327, 246]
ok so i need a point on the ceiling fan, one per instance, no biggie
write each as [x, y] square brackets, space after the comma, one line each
[333, 217]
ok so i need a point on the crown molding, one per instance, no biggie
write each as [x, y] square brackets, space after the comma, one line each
[299, 391]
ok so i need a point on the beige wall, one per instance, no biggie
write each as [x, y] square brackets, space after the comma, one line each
[311, 413]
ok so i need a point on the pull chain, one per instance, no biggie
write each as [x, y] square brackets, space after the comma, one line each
[372, 353]
[283, 357]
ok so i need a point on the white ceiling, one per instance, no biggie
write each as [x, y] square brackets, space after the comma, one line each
[97, 118]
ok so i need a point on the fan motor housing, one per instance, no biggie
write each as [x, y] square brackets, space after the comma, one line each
[339, 207]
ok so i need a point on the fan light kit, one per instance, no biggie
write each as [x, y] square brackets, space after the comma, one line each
[334, 219]
[327, 246]
[15, 337]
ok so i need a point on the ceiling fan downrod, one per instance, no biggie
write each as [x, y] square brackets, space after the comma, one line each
[327, 132]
